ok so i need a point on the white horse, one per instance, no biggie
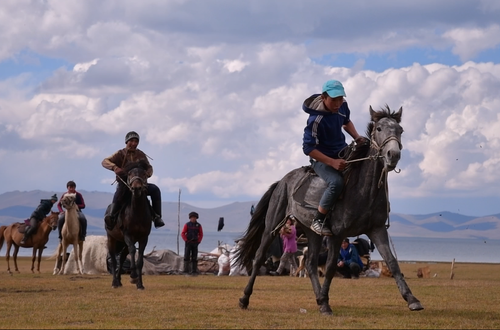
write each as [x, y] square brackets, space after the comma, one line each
[70, 234]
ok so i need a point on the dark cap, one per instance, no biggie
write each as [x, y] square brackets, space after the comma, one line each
[193, 214]
[345, 240]
[131, 135]
[53, 197]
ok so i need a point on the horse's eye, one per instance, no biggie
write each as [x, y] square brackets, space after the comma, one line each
[379, 129]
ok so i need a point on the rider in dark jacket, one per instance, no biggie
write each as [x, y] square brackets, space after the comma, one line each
[37, 216]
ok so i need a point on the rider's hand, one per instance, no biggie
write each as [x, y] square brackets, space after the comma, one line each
[339, 164]
[361, 140]
[118, 171]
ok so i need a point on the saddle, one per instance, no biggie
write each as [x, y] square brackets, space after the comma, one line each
[308, 191]
[23, 226]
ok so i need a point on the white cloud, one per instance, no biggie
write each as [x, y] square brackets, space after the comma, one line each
[218, 106]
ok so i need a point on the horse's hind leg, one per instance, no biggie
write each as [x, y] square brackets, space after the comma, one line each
[381, 240]
[260, 258]
[7, 257]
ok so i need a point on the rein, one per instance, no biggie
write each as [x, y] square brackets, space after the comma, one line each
[131, 180]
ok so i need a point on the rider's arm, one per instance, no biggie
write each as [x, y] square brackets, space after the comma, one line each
[349, 128]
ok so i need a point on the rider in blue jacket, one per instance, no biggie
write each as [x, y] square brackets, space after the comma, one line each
[323, 140]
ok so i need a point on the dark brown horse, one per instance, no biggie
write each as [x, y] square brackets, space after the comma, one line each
[133, 226]
[37, 241]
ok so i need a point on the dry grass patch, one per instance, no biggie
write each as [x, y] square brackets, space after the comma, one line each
[43, 300]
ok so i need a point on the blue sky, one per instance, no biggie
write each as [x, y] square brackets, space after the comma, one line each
[215, 89]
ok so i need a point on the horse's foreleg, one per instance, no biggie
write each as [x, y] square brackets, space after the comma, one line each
[381, 240]
[64, 250]
[33, 258]
[80, 256]
[58, 260]
[140, 263]
[40, 251]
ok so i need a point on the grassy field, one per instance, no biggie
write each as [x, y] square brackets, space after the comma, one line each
[27, 300]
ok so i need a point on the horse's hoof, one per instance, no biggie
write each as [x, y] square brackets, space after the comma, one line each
[134, 280]
[325, 310]
[416, 306]
[140, 288]
[243, 303]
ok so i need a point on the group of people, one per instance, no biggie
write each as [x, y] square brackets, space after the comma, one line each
[323, 140]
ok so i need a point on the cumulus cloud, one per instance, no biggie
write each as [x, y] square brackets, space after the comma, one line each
[217, 98]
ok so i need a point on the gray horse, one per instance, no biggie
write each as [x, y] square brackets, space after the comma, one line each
[362, 208]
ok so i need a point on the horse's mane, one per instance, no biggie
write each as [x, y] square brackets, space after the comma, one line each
[142, 164]
[361, 151]
[385, 112]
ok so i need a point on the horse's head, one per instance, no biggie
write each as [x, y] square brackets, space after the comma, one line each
[52, 219]
[68, 201]
[137, 178]
[385, 133]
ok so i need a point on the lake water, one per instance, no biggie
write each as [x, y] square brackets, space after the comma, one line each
[406, 248]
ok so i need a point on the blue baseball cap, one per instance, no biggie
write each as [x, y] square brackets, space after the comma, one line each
[334, 88]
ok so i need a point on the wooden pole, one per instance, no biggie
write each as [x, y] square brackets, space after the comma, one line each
[178, 219]
[452, 265]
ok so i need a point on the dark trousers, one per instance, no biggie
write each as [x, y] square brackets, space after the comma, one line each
[191, 256]
[34, 222]
[352, 270]
[153, 191]
[83, 224]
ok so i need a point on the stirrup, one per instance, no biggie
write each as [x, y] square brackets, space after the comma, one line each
[319, 228]
[158, 222]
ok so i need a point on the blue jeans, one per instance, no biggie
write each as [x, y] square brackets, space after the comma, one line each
[334, 181]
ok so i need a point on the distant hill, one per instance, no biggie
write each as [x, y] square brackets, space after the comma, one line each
[18, 205]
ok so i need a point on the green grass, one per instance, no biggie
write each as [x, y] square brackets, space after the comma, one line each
[470, 300]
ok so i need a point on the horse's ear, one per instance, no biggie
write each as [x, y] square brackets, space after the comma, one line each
[398, 115]
[372, 113]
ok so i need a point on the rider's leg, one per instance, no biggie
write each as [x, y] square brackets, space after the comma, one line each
[30, 230]
[155, 194]
[111, 216]
[60, 224]
[83, 226]
[335, 182]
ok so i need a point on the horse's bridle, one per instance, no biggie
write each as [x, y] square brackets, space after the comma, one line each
[131, 180]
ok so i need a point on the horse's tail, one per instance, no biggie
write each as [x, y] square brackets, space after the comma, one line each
[251, 239]
[2, 239]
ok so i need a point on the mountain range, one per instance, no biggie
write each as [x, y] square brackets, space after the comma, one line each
[16, 206]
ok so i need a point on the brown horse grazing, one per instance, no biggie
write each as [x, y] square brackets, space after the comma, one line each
[133, 226]
[37, 241]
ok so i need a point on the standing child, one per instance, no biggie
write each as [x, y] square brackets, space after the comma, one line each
[192, 234]
[289, 235]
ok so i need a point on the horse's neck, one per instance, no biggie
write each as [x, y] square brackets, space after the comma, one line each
[71, 218]
[366, 177]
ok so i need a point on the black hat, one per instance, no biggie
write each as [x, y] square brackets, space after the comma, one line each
[131, 135]
[193, 214]
[54, 197]
[345, 240]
